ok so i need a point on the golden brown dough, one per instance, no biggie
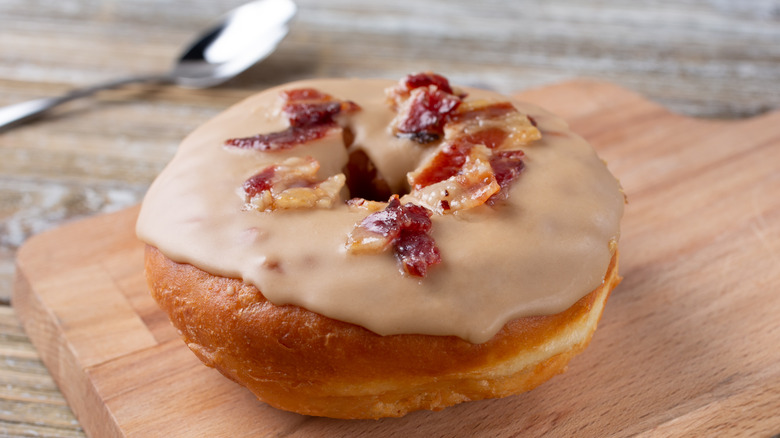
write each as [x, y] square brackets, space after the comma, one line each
[300, 361]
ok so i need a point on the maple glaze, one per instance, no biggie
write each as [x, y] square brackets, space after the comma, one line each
[537, 252]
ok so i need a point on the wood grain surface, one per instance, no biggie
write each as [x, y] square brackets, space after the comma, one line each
[687, 345]
[30, 402]
[713, 58]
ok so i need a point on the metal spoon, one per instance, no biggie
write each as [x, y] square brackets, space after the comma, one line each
[244, 36]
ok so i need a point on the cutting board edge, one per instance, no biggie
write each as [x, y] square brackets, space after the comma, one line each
[50, 340]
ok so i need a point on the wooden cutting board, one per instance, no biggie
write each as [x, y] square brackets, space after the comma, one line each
[689, 343]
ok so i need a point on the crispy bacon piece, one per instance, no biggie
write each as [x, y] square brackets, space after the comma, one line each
[361, 204]
[426, 79]
[423, 103]
[463, 176]
[473, 184]
[259, 183]
[497, 125]
[492, 137]
[311, 114]
[305, 95]
[445, 164]
[416, 252]
[306, 107]
[423, 115]
[405, 229]
[398, 94]
[479, 157]
[506, 166]
[291, 184]
[280, 140]
[478, 160]
[483, 110]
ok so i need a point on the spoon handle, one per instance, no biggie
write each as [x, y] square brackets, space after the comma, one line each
[19, 113]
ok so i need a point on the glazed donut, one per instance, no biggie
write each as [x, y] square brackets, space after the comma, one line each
[367, 248]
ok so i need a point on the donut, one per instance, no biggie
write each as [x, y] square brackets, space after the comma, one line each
[365, 248]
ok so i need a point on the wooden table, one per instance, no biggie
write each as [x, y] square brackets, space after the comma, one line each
[704, 58]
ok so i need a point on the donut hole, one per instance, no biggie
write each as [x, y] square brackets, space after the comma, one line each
[363, 178]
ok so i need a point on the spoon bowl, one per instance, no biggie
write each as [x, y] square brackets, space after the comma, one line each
[243, 37]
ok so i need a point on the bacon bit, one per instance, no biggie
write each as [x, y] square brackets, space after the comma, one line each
[426, 79]
[304, 94]
[280, 140]
[377, 231]
[306, 107]
[478, 160]
[405, 228]
[470, 187]
[311, 114]
[482, 110]
[459, 176]
[492, 137]
[360, 204]
[416, 252]
[398, 94]
[507, 166]
[302, 115]
[422, 116]
[497, 125]
[291, 184]
[423, 102]
[445, 164]
[261, 182]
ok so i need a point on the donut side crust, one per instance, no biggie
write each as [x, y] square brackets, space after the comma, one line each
[300, 361]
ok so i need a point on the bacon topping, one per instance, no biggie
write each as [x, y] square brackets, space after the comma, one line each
[475, 164]
[416, 252]
[478, 159]
[423, 115]
[291, 184]
[280, 140]
[473, 184]
[445, 164]
[483, 110]
[311, 114]
[423, 102]
[425, 79]
[506, 166]
[497, 125]
[405, 229]
[398, 94]
[259, 183]
[310, 107]
[361, 204]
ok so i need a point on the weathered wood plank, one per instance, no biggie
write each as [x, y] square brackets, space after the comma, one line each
[30, 402]
[701, 57]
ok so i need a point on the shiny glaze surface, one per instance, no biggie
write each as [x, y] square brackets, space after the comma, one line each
[538, 253]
